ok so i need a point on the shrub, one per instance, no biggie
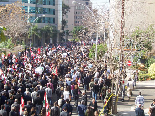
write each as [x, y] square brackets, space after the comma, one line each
[151, 71]
[143, 77]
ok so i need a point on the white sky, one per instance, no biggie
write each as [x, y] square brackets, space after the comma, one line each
[99, 3]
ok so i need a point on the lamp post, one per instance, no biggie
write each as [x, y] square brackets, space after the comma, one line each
[74, 2]
[32, 25]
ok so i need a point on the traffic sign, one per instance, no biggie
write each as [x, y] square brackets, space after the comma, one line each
[129, 63]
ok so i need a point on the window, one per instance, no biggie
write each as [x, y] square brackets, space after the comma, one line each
[33, 1]
[48, 11]
[66, 16]
[66, 21]
[49, 2]
[24, 1]
[87, 3]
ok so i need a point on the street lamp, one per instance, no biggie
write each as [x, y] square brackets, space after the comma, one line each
[74, 2]
[32, 25]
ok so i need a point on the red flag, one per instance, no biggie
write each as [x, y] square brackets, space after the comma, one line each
[38, 50]
[56, 71]
[21, 105]
[46, 105]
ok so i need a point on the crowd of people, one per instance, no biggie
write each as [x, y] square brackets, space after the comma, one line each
[44, 82]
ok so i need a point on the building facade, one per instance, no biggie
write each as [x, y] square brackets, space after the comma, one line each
[77, 10]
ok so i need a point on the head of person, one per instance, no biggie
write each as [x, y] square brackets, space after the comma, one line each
[65, 109]
[83, 102]
[153, 101]
[2, 107]
[67, 101]
[96, 113]
[140, 93]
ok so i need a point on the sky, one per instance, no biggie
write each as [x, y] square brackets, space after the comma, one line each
[99, 3]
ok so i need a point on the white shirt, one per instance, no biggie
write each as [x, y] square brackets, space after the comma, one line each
[66, 95]
[96, 74]
[74, 77]
[130, 84]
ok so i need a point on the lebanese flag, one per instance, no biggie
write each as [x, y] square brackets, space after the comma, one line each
[46, 105]
[38, 50]
[45, 100]
[56, 71]
[21, 105]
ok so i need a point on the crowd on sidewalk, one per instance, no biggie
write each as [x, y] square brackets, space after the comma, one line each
[31, 79]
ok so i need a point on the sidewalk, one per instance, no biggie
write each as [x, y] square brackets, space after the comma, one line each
[127, 108]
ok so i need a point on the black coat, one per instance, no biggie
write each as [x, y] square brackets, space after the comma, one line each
[96, 88]
[84, 97]
[93, 105]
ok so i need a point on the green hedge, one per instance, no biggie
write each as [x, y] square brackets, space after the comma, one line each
[143, 77]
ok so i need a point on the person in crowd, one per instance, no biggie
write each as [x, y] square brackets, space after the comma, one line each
[84, 97]
[75, 94]
[152, 109]
[81, 109]
[64, 112]
[55, 111]
[130, 86]
[91, 84]
[139, 111]
[95, 90]
[66, 94]
[93, 105]
[89, 112]
[49, 94]
[68, 106]
[2, 111]
[139, 100]
[96, 113]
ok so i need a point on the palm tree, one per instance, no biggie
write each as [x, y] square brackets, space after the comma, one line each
[48, 32]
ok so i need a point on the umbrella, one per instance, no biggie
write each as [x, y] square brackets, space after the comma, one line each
[39, 70]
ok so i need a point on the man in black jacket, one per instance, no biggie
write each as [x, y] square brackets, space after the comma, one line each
[95, 90]
[84, 97]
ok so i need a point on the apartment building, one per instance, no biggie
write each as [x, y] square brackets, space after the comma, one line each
[77, 10]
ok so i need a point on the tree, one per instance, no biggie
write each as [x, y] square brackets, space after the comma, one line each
[65, 10]
[77, 31]
[48, 32]
[2, 36]
[14, 19]
[101, 50]
[94, 21]
[44, 33]
[34, 31]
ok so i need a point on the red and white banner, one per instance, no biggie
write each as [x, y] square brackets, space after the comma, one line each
[21, 105]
